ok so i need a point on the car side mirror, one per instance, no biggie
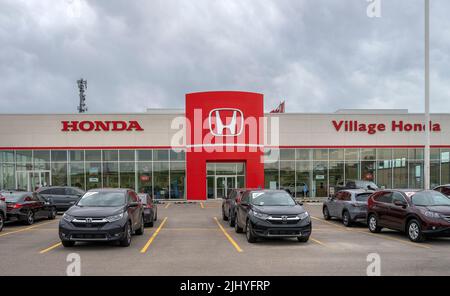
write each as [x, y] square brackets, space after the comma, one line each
[50, 200]
[299, 203]
[400, 203]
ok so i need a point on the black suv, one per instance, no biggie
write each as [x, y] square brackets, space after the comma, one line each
[271, 213]
[103, 215]
[63, 197]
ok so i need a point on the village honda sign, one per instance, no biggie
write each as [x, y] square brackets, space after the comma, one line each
[101, 126]
[373, 128]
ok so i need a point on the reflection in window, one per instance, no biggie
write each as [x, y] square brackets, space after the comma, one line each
[177, 180]
[127, 175]
[110, 175]
[161, 179]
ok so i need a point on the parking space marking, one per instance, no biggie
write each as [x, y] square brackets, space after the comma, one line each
[149, 242]
[230, 239]
[25, 229]
[318, 242]
[50, 248]
[417, 245]
[168, 205]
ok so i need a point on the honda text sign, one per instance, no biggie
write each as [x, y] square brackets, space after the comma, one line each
[100, 126]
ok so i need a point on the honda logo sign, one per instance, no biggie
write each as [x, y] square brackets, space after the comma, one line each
[235, 126]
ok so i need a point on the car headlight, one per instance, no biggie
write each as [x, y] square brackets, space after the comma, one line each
[261, 216]
[68, 217]
[303, 215]
[114, 217]
[431, 214]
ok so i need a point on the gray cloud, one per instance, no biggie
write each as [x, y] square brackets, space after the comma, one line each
[319, 55]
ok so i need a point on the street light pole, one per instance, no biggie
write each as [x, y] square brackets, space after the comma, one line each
[427, 96]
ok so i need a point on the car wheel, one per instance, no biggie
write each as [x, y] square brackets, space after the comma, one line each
[237, 228]
[126, 240]
[68, 244]
[373, 224]
[140, 230]
[231, 219]
[2, 221]
[29, 220]
[346, 219]
[414, 231]
[52, 214]
[303, 239]
[326, 213]
[224, 217]
[251, 238]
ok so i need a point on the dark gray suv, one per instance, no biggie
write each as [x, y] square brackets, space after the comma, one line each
[348, 205]
[63, 197]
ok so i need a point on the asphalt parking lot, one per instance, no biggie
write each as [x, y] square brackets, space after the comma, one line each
[191, 239]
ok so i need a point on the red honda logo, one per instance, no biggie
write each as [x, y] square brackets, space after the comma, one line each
[226, 119]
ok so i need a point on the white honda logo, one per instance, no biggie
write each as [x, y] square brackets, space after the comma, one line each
[221, 126]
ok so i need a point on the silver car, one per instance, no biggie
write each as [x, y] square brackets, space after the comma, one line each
[348, 205]
[2, 211]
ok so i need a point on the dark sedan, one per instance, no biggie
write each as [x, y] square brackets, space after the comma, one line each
[103, 215]
[150, 209]
[229, 205]
[271, 213]
[419, 213]
[63, 197]
[27, 207]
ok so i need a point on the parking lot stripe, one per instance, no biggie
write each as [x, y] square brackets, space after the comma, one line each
[318, 242]
[50, 248]
[149, 242]
[202, 206]
[168, 205]
[230, 239]
[25, 229]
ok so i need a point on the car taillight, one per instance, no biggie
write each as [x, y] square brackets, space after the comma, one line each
[17, 206]
[149, 206]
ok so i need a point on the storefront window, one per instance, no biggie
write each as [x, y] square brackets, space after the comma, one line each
[210, 169]
[93, 155]
[304, 178]
[77, 174]
[127, 175]
[177, 180]
[93, 175]
[24, 156]
[59, 156]
[110, 155]
[320, 179]
[400, 172]
[161, 155]
[177, 156]
[445, 166]
[77, 155]
[336, 172]
[368, 154]
[304, 154]
[59, 173]
[416, 174]
[225, 168]
[161, 179]
[352, 170]
[145, 177]
[368, 171]
[8, 176]
[126, 155]
[271, 175]
[144, 155]
[110, 175]
[384, 174]
[320, 154]
[435, 174]
[415, 153]
[287, 154]
[336, 154]
[287, 175]
[6, 156]
[351, 154]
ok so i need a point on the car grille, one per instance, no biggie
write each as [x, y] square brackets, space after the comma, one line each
[283, 232]
[88, 236]
[283, 219]
[89, 222]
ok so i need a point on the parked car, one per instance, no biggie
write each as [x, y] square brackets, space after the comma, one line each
[419, 213]
[347, 205]
[356, 184]
[444, 189]
[2, 211]
[150, 209]
[229, 205]
[63, 197]
[103, 215]
[271, 213]
[28, 207]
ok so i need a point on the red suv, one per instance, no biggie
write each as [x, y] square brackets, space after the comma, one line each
[419, 213]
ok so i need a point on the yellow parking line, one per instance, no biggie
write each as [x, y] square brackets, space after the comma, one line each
[144, 249]
[202, 206]
[25, 229]
[230, 239]
[168, 205]
[50, 248]
[318, 242]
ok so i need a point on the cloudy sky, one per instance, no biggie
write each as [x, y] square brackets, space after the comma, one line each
[318, 55]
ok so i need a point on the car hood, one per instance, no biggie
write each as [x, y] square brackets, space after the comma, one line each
[280, 210]
[445, 210]
[94, 212]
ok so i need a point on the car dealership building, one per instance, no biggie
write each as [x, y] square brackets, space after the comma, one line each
[221, 140]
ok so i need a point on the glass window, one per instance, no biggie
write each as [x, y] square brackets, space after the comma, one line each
[434, 153]
[384, 153]
[210, 187]
[127, 175]
[110, 155]
[41, 156]
[287, 175]
[415, 153]
[24, 156]
[126, 155]
[110, 174]
[225, 168]
[240, 168]
[336, 172]
[320, 154]
[271, 155]
[336, 154]
[161, 154]
[400, 153]
[177, 180]
[415, 174]
[384, 174]
[400, 173]
[77, 155]
[304, 178]
[352, 170]
[8, 180]
[59, 174]
[303, 154]
[77, 174]
[59, 155]
[445, 166]
[271, 175]
[144, 155]
[210, 168]
[368, 171]
[93, 175]
[435, 174]
[6, 156]
[145, 177]
[351, 154]
[177, 156]
[93, 155]
[368, 154]
[320, 179]
[161, 179]
[287, 154]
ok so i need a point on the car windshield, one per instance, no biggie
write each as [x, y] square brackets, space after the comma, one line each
[12, 196]
[430, 198]
[362, 196]
[102, 199]
[271, 199]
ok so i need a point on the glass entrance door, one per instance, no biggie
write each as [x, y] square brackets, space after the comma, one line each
[223, 185]
[30, 180]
